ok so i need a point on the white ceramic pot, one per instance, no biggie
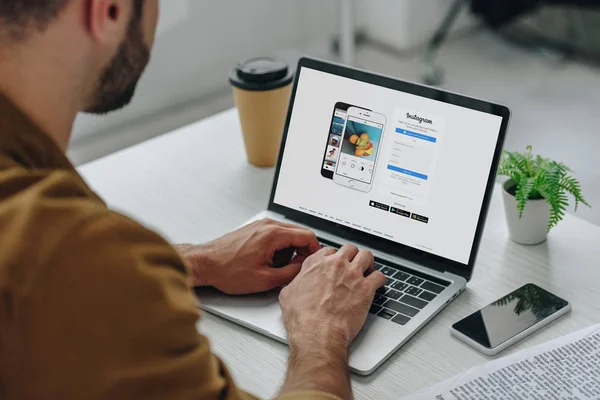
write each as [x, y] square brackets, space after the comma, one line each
[533, 227]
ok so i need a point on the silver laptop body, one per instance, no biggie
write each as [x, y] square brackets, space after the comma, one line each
[380, 337]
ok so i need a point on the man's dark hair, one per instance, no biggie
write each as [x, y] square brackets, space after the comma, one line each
[18, 17]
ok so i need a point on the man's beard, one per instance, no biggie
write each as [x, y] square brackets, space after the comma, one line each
[118, 81]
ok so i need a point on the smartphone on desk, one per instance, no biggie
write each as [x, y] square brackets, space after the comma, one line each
[510, 319]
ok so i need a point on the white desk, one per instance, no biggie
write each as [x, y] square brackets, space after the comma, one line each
[193, 191]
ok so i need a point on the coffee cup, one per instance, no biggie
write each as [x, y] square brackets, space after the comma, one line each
[261, 89]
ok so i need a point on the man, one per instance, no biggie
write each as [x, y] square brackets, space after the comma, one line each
[94, 306]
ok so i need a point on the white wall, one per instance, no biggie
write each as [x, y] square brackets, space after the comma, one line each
[405, 24]
[199, 42]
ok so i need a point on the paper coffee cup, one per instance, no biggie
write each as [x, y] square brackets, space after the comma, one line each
[261, 89]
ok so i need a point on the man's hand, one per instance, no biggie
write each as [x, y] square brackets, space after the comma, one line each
[331, 295]
[324, 309]
[243, 261]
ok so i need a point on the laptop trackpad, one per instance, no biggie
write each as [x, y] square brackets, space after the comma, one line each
[260, 312]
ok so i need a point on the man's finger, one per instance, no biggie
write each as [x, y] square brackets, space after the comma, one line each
[319, 255]
[324, 252]
[299, 238]
[348, 251]
[304, 251]
[375, 280]
[277, 277]
[365, 261]
[298, 259]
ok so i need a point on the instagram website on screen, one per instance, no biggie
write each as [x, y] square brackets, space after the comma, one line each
[398, 166]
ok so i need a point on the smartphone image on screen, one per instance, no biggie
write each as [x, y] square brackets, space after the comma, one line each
[361, 142]
[334, 140]
[510, 319]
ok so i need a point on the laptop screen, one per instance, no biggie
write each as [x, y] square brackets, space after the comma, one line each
[398, 166]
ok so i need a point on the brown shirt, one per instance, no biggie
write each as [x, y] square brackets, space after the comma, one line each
[92, 305]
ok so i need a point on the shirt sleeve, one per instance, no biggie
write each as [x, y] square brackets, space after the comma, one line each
[112, 315]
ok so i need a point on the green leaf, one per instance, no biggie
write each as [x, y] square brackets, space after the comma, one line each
[558, 209]
[572, 186]
[509, 166]
[519, 161]
[557, 199]
[524, 188]
[542, 164]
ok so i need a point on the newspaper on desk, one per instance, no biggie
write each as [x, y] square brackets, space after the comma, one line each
[565, 368]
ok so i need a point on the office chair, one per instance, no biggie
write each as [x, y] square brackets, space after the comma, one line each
[433, 75]
[496, 14]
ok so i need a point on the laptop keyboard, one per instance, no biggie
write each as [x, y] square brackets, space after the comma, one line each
[404, 294]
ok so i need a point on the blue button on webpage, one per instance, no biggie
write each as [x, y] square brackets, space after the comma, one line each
[407, 172]
[416, 135]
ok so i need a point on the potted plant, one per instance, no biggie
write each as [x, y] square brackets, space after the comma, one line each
[536, 195]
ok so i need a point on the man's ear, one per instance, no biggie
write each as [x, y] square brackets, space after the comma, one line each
[107, 20]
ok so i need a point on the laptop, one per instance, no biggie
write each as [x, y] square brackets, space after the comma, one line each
[403, 170]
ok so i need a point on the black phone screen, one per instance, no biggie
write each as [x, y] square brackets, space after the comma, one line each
[334, 140]
[512, 314]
